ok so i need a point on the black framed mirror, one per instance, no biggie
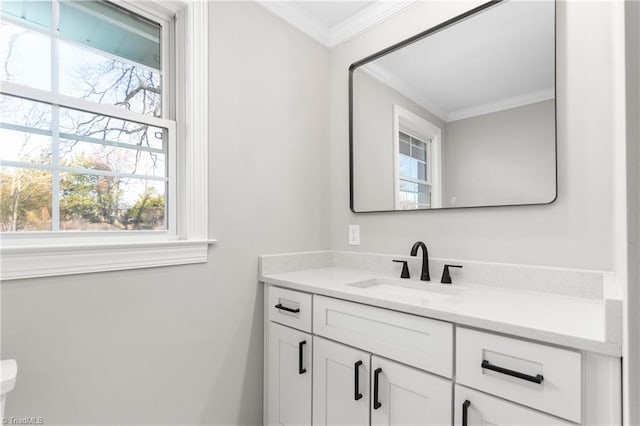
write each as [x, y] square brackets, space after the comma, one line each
[461, 115]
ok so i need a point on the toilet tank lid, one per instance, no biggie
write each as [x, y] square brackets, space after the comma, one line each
[8, 372]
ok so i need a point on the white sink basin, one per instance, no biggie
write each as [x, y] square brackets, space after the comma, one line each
[408, 289]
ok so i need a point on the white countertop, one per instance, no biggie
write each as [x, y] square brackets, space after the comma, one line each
[562, 320]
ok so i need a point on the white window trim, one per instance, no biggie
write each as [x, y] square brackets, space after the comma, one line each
[30, 256]
[405, 120]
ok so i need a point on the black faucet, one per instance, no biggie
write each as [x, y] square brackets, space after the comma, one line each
[425, 259]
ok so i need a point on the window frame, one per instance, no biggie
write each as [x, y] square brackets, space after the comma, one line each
[40, 254]
[415, 126]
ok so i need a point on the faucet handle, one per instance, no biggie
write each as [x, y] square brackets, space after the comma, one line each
[446, 276]
[405, 268]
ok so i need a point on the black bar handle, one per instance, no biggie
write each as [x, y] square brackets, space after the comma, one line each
[284, 308]
[356, 392]
[376, 403]
[538, 378]
[301, 369]
[465, 412]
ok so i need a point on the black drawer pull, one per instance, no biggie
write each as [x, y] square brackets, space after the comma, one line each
[356, 392]
[535, 379]
[284, 308]
[376, 403]
[465, 412]
[301, 369]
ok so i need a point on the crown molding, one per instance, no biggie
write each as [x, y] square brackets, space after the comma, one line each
[345, 30]
[365, 19]
[391, 80]
[502, 105]
[292, 14]
[385, 77]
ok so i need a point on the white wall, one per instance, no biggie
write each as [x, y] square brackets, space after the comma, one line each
[505, 157]
[183, 345]
[575, 231]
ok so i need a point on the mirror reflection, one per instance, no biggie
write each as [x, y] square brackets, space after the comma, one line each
[462, 117]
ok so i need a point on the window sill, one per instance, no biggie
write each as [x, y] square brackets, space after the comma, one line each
[34, 261]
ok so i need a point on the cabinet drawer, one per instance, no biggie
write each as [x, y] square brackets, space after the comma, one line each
[483, 409]
[290, 308]
[413, 340]
[540, 376]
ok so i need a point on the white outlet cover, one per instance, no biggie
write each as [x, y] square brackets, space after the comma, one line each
[354, 235]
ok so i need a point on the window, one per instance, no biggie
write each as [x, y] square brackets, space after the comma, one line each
[92, 127]
[416, 161]
[72, 166]
[415, 172]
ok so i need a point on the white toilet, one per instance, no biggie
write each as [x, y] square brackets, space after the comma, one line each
[8, 372]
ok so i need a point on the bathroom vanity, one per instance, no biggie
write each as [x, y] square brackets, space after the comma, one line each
[348, 343]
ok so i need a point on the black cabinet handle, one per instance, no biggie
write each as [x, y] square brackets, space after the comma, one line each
[301, 369]
[535, 379]
[376, 403]
[465, 412]
[284, 308]
[356, 387]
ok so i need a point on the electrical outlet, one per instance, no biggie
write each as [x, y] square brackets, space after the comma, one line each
[354, 235]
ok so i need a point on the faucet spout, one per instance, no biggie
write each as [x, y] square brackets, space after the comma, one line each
[425, 259]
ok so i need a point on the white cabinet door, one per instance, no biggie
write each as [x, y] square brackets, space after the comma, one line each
[340, 384]
[473, 408]
[402, 395]
[289, 376]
